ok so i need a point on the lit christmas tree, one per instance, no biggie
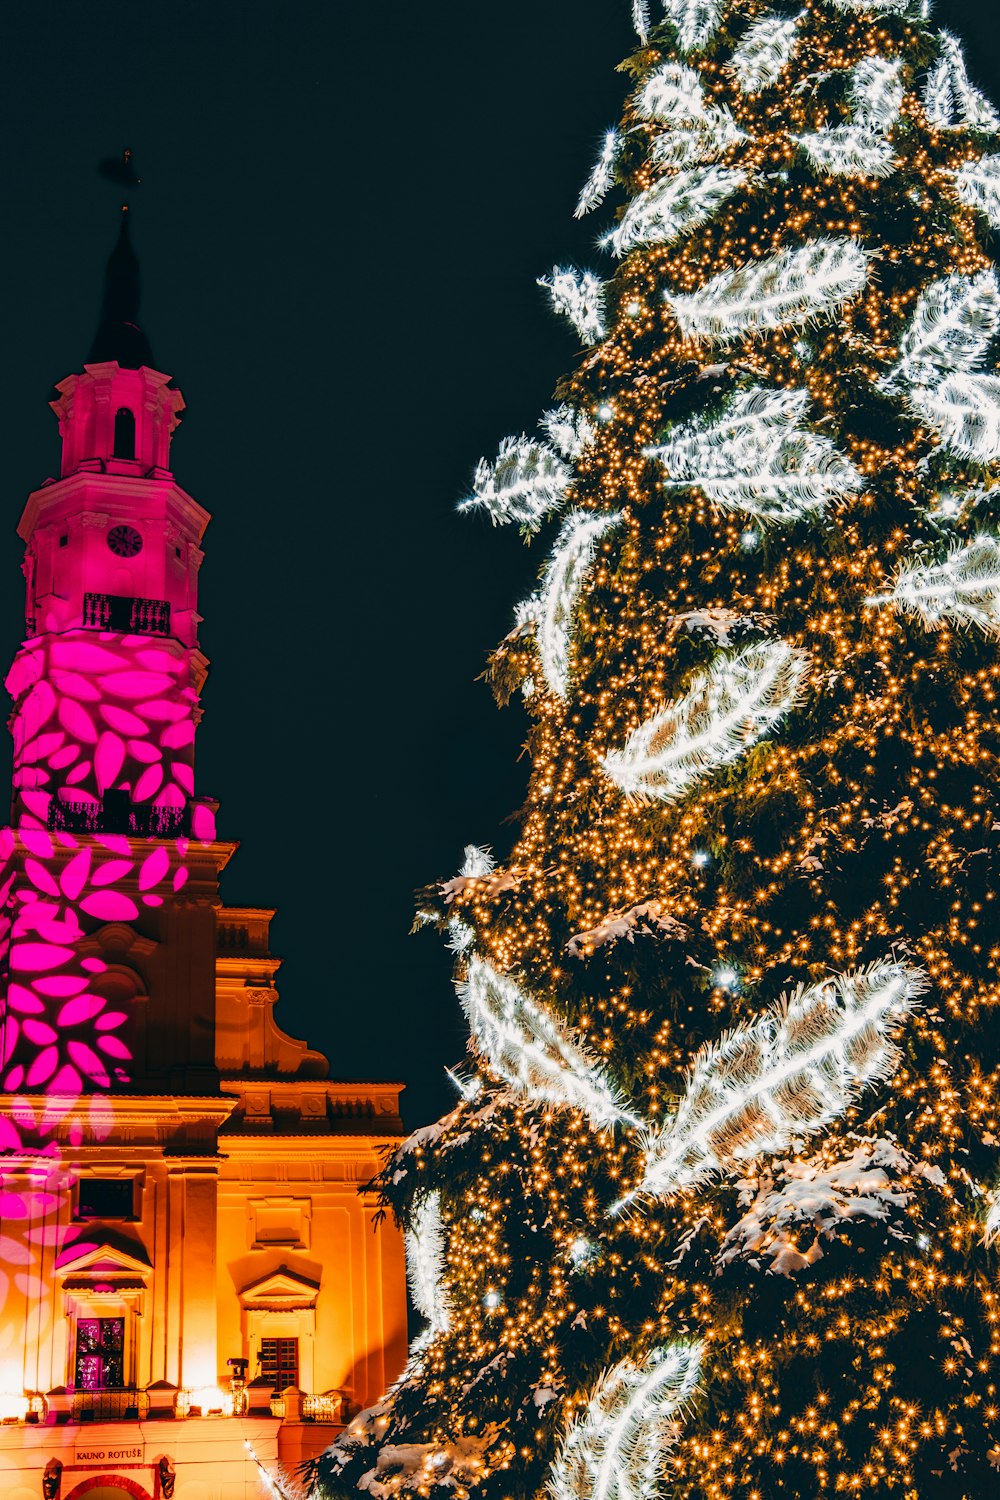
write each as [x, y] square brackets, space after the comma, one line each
[714, 1215]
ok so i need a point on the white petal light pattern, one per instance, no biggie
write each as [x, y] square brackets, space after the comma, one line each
[725, 709]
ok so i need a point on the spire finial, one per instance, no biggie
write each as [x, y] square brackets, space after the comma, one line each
[119, 335]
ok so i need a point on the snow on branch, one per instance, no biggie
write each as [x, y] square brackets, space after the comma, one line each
[758, 459]
[963, 590]
[479, 873]
[673, 206]
[616, 1449]
[525, 481]
[726, 708]
[578, 296]
[695, 21]
[790, 287]
[978, 185]
[951, 101]
[596, 187]
[647, 917]
[527, 1047]
[764, 52]
[771, 1082]
[819, 1197]
[561, 584]
[425, 1255]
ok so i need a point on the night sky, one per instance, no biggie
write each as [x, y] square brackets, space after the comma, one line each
[342, 215]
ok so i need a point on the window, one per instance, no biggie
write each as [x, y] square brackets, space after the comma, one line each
[100, 1351]
[106, 1198]
[124, 434]
[279, 1362]
[64, 540]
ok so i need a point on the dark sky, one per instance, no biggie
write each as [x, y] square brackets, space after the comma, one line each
[343, 212]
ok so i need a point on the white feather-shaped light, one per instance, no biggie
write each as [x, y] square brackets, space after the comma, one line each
[771, 1082]
[757, 459]
[849, 151]
[673, 206]
[525, 482]
[875, 6]
[964, 410]
[697, 131]
[876, 92]
[526, 1046]
[425, 1258]
[640, 18]
[787, 288]
[673, 94]
[616, 1449]
[602, 175]
[978, 186]
[579, 296]
[695, 21]
[964, 589]
[561, 584]
[568, 429]
[951, 101]
[726, 708]
[991, 1229]
[953, 324]
[764, 52]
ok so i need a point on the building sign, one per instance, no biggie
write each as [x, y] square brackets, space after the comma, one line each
[121, 1454]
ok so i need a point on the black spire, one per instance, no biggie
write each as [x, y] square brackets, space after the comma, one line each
[118, 335]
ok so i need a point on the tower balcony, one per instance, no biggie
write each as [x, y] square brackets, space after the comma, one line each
[117, 814]
[131, 616]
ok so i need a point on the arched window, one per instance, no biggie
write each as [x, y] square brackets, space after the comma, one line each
[124, 433]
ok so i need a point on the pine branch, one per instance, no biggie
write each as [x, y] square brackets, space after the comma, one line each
[764, 52]
[964, 589]
[726, 708]
[526, 481]
[790, 287]
[561, 585]
[616, 1449]
[757, 459]
[776, 1080]
[579, 296]
[991, 1229]
[529, 1049]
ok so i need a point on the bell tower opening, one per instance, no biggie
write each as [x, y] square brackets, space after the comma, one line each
[124, 444]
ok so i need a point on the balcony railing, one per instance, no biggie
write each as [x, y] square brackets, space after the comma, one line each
[116, 814]
[131, 616]
[127, 1405]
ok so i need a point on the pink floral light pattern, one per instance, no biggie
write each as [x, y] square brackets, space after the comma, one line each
[97, 711]
[58, 1034]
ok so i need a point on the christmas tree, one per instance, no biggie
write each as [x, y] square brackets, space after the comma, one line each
[714, 1214]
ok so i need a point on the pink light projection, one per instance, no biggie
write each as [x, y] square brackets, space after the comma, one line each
[98, 712]
[104, 728]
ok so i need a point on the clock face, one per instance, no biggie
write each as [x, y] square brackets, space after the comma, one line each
[124, 541]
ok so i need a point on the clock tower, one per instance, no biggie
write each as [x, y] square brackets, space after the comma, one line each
[179, 1178]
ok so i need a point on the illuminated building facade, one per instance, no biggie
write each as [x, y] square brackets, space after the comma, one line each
[180, 1179]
